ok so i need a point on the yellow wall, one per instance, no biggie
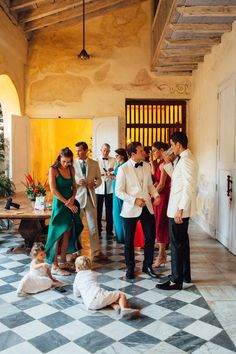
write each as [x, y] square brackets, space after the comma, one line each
[48, 136]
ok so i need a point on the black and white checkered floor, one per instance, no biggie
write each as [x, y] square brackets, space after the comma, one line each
[53, 322]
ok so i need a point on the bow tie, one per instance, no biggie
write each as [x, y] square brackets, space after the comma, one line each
[105, 158]
[138, 164]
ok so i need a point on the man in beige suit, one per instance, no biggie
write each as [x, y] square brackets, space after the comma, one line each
[182, 205]
[88, 178]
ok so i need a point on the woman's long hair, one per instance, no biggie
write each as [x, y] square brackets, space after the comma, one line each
[65, 152]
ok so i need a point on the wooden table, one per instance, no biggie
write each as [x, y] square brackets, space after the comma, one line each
[32, 222]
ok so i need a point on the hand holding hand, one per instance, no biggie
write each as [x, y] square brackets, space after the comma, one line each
[70, 201]
[140, 202]
[73, 208]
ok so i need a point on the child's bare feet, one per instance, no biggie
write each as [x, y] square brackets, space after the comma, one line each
[128, 312]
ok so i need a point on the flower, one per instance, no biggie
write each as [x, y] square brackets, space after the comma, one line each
[34, 189]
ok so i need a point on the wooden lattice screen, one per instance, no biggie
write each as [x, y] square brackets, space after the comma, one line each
[154, 120]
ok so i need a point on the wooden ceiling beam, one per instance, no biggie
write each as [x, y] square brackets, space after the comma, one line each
[173, 73]
[176, 67]
[21, 4]
[51, 9]
[191, 42]
[180, 59]
[92, 10]
[167, 52]
[201, 28]
[207, 11]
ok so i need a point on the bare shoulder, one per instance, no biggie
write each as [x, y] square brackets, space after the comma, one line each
[52, 171]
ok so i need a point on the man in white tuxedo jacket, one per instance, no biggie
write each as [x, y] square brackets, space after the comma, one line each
[104, 191]
[182, 205]
[88, 178]
[135, 187]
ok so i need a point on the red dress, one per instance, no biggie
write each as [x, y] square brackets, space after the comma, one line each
[160, 211]
[139, 236]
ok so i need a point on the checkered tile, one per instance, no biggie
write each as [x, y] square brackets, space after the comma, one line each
[53, 322]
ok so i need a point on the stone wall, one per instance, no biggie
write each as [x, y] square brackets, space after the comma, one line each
[60, 84]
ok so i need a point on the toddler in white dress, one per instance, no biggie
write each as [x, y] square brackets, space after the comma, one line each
[39, 277]
[95, 297]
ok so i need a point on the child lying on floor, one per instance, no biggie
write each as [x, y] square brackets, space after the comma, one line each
[39, 277]
[95, 297]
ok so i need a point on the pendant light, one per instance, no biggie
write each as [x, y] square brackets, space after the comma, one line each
[83, 55]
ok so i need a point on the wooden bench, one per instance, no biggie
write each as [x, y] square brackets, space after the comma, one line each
[32, 222]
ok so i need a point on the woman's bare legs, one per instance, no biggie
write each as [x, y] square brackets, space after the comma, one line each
[162, 257]
[64, 245]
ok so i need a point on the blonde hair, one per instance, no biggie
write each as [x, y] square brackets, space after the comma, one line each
[83, 263]
[37, 247]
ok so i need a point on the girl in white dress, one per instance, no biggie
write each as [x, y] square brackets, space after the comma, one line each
[39, 277]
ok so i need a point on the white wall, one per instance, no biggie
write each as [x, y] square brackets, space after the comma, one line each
[202, 126]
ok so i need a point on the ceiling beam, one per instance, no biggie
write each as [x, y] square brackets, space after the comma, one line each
[92, 10]
[167, 52]
[173, 73]
[201, 28]
[215, 11]
[11, 15]
[176, 67]
[21, 4]
[191, 42]
[51, 9]
[180, 59]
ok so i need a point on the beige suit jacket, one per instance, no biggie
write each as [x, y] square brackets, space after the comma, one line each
[92, 174]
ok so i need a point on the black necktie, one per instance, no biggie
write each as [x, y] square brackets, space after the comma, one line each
[178, 158]
[138, 164]
[105, 158]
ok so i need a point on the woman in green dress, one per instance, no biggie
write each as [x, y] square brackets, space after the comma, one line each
[65, 224]
[121, 157]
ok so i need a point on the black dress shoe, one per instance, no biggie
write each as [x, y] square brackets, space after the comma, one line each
[130, 274]
[149, 271]
[187, 281]
[169, 286]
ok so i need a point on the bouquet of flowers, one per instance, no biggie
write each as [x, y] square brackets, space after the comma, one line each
[34, 189]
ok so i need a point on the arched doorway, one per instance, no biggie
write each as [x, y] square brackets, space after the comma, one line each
[10, 105]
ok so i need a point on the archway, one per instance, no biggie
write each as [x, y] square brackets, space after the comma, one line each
[10, 105]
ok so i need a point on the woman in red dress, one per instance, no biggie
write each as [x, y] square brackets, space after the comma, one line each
[162, 184]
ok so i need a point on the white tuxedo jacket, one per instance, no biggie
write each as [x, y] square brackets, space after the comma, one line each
[92, 174]
[183, 185]
[128, 189]
[110, 163]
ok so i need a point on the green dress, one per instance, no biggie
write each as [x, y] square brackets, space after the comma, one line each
[62, 219]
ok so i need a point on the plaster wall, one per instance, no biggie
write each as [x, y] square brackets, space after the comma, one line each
[202, 125]
[60, 84]
[13, 55]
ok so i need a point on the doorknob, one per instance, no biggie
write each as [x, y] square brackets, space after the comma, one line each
[229, 187]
